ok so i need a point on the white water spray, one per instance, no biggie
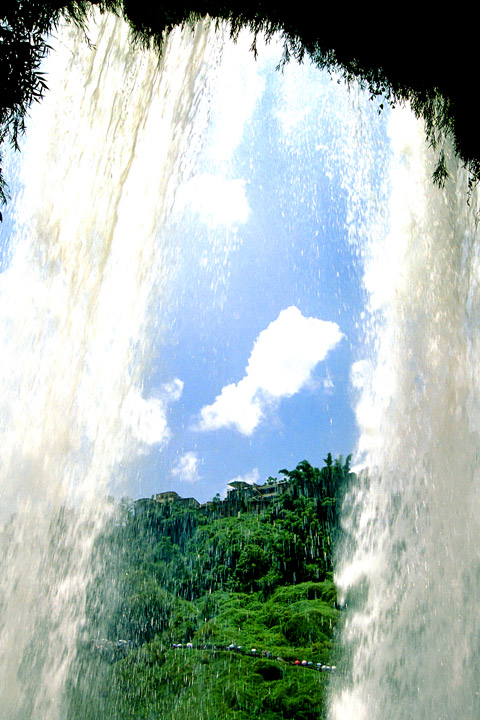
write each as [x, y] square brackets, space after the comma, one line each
[85, 265]
[410, 568]
[76, 300]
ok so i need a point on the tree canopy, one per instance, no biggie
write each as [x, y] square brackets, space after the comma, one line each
[207, 612]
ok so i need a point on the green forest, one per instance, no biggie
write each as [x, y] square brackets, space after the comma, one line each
[224, 610]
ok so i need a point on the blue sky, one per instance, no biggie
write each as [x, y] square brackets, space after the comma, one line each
[270, 290]
[261, 315]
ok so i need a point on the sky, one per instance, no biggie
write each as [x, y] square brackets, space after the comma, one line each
[261, 322]
[254, 361]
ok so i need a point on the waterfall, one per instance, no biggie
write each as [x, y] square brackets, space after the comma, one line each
[89, 261]
[409, 570]
[85, 262]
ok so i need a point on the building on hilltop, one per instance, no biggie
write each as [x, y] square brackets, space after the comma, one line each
[172, 496]
[169, 496]
[253, 493]
[239, 492]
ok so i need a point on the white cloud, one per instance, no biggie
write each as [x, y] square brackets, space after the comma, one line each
[236, 406]
[146, 419]
[250, 477]
[186, 468]
[280, 365]
[216, 200]
[172, 391]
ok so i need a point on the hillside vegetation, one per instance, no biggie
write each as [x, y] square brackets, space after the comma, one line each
[203, 612]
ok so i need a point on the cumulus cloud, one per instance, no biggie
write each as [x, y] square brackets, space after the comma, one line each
[281, 363]
[216, 200]
[186, 468]
[146, 418]
[250, 477]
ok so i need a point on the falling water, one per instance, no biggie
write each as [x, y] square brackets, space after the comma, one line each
[410, 570]
[84, 267]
